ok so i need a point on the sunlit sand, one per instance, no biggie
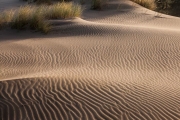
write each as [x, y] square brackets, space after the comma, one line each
[121, 63]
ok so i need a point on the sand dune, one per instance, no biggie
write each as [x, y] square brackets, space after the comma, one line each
[119, 64]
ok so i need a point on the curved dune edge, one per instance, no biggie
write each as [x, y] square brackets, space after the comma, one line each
[111, 64]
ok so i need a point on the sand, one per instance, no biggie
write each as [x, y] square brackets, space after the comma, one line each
[121, 63]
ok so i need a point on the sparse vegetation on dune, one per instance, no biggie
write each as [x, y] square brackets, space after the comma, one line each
[46, 1]
[150, 4]
[97, 4]
[1, 22]
[35, 17]
[22, 17]
[63, 10]
[6, 17]
[170, 7]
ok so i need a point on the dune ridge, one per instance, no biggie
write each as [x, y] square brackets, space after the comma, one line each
[117, 64]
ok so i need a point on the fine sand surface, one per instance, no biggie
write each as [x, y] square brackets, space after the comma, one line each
[122, 63]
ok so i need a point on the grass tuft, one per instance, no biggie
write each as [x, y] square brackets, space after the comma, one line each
[22, 18]
[35, 17]
[49, 2]
[63, 10]
[6, 17]
[98, 4]
[1, 21]
[150, 4]
[169, 7]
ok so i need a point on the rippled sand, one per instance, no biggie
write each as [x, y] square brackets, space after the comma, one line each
[120, 63]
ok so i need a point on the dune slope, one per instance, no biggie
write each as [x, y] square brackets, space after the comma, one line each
[119, 64]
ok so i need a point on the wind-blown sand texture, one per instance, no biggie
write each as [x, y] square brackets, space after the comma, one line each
[122, 63]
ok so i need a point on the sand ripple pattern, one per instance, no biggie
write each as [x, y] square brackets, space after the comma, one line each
[99, 72]
[82, 99]
[105, 67]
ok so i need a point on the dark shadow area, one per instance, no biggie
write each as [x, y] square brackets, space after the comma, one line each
[57, 32]
[74, 30]
[170, 7]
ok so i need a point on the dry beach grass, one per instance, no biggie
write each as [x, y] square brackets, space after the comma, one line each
[35, 17]
[150, 4]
